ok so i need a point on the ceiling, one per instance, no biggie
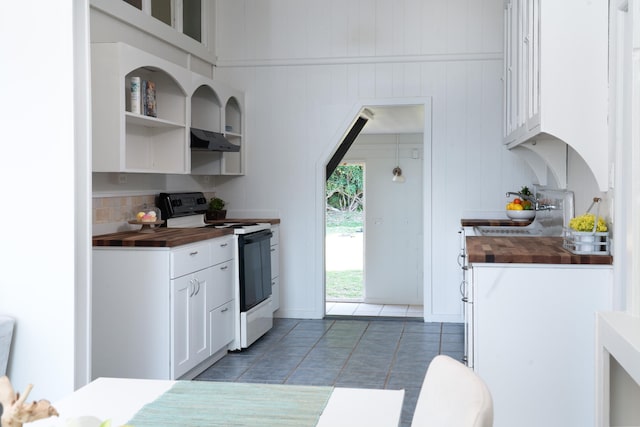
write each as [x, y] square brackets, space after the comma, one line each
[395, 120]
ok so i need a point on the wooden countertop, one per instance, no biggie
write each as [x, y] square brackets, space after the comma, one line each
[493, 223]
[163, 237]
[526, 250]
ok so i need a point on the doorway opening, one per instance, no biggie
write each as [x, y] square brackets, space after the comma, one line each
[344, 234]
[385, 255]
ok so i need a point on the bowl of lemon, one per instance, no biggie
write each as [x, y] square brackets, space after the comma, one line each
[520, 210]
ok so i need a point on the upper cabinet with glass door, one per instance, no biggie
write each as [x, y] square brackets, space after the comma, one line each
[555, 77]
[183, 15]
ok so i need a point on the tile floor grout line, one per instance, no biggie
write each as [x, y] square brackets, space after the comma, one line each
[333, 322]
[344, 365]
[395, 355]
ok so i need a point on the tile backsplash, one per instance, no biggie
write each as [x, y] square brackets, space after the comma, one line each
[120, 209]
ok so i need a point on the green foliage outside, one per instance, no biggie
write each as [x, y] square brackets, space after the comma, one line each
[344, 196]
[345, 188]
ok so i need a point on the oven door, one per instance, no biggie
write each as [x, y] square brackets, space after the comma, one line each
[254, 255]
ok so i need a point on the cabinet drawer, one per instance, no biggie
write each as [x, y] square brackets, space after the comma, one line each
[190, 258]
[275, 261]
[221, 325]
[275, 239]
[220, 288]
[222, 249]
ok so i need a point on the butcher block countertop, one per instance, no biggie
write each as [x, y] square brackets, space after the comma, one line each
[526, 250]
[493, 223]
[163, 237]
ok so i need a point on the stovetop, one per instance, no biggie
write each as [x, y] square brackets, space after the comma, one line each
[187, 210]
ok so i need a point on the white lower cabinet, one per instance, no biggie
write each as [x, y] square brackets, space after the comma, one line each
[221, 325]
[162, 313]
[534, 340]
[220, 307]
[275, 267]
[190, 344]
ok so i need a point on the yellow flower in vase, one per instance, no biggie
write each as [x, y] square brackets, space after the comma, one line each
[585, 223]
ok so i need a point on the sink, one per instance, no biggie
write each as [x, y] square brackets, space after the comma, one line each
[507, 231]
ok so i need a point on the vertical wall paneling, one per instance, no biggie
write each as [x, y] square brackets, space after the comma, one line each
[304, 87]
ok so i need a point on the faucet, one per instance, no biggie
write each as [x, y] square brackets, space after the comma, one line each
[535, 202]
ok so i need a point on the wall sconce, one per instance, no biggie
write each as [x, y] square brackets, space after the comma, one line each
[397, 172]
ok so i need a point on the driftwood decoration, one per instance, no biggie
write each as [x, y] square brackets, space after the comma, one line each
[15, 412]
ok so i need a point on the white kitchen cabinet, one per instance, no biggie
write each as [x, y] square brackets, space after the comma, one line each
[275, 267]
[534, 340]
[220, 307]
[189, 316]
[162, 313]
[221, 325]
[555, 78]
[218, 108]
[129, 142]
[125, 141]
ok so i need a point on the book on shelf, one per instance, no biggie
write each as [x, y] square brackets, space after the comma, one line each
[149, 98]
[135, 95]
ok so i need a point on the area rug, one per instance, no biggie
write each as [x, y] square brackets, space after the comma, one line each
[199, 403]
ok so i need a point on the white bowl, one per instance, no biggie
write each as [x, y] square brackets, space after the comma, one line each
[523, 215]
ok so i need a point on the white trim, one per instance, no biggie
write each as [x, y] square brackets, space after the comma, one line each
[320, 218]
[83, 205]
[491, 56]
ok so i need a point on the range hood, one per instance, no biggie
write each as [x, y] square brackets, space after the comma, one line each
[204, 140]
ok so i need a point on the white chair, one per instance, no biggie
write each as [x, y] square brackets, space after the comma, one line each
[452, 395]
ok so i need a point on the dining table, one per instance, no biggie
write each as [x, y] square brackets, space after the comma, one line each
[141, 402]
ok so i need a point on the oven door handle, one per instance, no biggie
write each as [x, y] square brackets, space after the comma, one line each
[258, 236]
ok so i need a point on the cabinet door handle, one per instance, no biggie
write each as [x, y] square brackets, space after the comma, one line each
[273, 249]
[224, 309]
[224, 267]
[463, 287]
[223, 245]
[193, 253]
[198, 286]
[192, 288]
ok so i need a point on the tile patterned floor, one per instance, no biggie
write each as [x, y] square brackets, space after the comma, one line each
[342, 308]
[379, 353]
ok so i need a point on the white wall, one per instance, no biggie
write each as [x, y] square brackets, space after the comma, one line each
[44, 219]
[393, 236]
[307, 67]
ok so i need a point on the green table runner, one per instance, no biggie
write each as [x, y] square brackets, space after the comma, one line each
[199, 403]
